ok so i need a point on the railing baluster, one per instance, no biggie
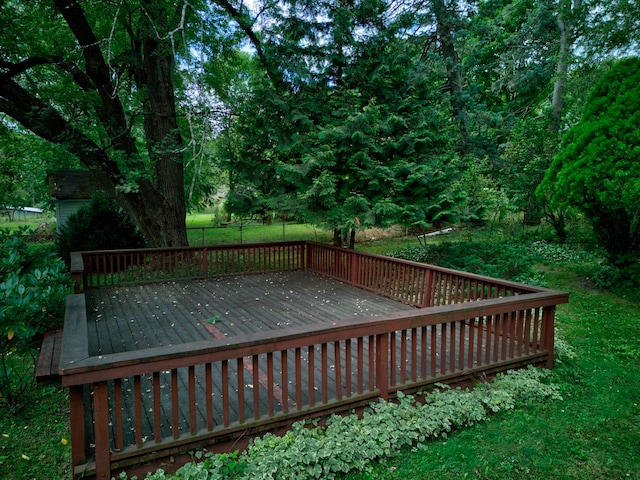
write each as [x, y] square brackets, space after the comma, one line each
[284, 380]
[256, 386]
[443, 347]
[192, 399]
[117, 412]
[403, 357]
[298, 372]
[337, 369]
[157, 409]
[175, 404]
[452, 346]
[240, 376]
[224, 370]
[372, 362]
[137, 409]
[423, 352]
[324, 374]
[310, 374]
[461, 344]
[360, 365]
[208, 393]
[270, 380]
[347, 367]
[433, 349]
[392, 359]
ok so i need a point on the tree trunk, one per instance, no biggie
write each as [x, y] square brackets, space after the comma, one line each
[164, 142]
[352, 239]
[562, 67]
[445, 20]
[337, 238]
[157, 205]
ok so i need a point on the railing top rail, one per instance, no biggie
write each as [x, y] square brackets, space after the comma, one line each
[77, 266]
[89, 369]
[474, 276]
[230, 246]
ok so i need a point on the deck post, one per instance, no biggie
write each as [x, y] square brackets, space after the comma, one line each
[307, 255]
[428, 286]
[355, 267]
[205, 261]
[77, 270]
[76, 408]
[101, 419]
[547, 333]
[382, 365]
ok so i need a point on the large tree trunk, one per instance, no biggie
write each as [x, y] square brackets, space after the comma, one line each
[164, 143]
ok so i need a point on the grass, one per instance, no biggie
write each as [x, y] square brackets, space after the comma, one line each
[594, 433]
[31, 444]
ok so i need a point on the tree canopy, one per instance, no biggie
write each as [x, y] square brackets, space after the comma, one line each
[345, 114]
[597, 170]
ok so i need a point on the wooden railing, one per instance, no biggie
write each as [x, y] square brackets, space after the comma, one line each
[111, 267]
[126, 407]
[413, 283]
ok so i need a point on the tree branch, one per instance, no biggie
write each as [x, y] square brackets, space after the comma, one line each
[43, 120]
[247, 27]
[111, 114]
[79, 77]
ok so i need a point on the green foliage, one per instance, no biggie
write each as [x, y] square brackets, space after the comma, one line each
[496, 258]
[622, 279]
[598, 169]
[361, 138]
[351, 443]
[101, 225]
[32, 293]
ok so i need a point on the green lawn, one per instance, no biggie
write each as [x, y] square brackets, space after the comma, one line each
[252, 233]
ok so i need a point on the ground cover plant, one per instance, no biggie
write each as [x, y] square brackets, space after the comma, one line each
[348, 443]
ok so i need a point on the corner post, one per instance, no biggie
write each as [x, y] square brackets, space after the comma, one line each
[382, 365]
[77, 270]
[547, 333]
[76, 407]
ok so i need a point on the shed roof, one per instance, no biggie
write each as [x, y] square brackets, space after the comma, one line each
[72, 184]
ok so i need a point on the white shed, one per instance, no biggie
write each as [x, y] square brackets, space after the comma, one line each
[70, 190]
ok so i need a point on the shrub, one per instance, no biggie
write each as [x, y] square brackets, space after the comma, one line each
[32, 292]
[498, 259]
[624, 280]
[101, 225]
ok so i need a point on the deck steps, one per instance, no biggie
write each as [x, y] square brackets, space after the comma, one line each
[49, 358]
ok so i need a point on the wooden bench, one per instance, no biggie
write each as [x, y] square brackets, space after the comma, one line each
[49, 358]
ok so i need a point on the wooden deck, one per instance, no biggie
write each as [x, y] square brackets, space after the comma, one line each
[169, 350]
[134, 317]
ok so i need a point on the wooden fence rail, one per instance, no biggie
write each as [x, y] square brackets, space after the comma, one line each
[128, 408]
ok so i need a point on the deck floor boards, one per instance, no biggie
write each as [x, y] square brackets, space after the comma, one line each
[133, 317]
